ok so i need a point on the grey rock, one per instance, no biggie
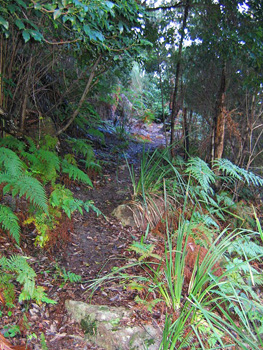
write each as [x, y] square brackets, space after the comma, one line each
[103, 326]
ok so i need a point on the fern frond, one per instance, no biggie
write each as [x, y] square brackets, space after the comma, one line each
[81, 146]
[75, 173]
[9, 222]
[10, 162]
[90, 205]
[31, 143]
[246, 246]
[32, 189]
[25, 275]
[43, 163]
[50, 159]
[49, 143]
[225, 198]
[201, 172]
[145, 250]
[13, 143]
[236, 173]
[70, 158]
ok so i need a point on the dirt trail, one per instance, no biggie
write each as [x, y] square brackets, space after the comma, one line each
[98, 241]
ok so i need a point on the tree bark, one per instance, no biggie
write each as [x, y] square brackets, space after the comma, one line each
[83, 97]
[220, 119]
[24, 105]
[186, 134]
[175, 105]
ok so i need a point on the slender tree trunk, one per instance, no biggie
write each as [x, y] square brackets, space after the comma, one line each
[220, 119]
[83, 97]
[186, 135]
[162, 98]
[175, 105]
[23, 113]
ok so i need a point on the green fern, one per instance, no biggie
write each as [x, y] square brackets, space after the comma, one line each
[234, 172]
[49, 143]
[75, 173]
[245, 246]
[80, 146]
[25, 275]
[201, 172]
[70, 276]
[32, 146]
[90, 205]
[145, 250]
[10, 163]
[13, 143]
[70, 158]
[62, 198]
[32, 189]
[9, 222]
[43, 163]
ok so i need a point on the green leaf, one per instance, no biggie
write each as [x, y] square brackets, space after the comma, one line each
[120, 25]
[12, 8]
[26, 35]
[36, 35]
[37, 6]
[4, 23]
[22, 3]
[19, 24]
[109, 4]
[87, 29]
[57, 13]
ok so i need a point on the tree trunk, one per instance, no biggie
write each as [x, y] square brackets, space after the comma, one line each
[186, 135]
[175, 105]
[220, 119]
[83, 97]
[24, 105]
[162, 98]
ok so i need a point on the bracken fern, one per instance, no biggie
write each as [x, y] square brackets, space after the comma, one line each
[234, 172]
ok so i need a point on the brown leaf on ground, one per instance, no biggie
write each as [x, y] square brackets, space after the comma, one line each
[6, 345]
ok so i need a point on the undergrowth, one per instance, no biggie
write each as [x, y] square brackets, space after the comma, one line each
[204, 272]
[34, 202]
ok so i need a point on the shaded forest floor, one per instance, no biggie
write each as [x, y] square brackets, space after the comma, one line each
[94, 245]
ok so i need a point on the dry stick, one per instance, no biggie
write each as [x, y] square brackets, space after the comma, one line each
[83, 97]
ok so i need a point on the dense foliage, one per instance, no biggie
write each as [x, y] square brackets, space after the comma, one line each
[68, 69]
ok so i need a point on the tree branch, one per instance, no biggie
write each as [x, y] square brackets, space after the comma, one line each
[166, 8]
[83, 97]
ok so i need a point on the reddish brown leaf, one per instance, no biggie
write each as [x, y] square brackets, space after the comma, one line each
[6, 345]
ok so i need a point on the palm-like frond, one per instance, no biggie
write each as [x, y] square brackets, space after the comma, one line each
[10, 163]
[234, 172]
[75, 173]
[13, 143]
[32, 189]
[201, 172]
[9, 222]
[50, 159]
[80, 146]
